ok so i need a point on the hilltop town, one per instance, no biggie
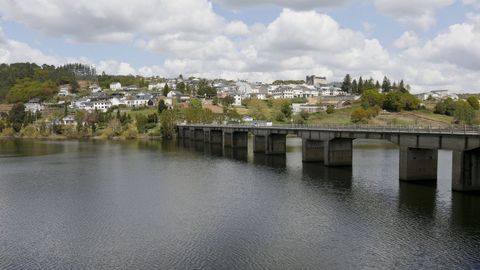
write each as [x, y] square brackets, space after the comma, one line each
[73, 101]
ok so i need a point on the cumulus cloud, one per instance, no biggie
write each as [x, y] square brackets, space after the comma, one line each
[297, 4]
[417, 13]
[199, 42]
[112, 20]
[407, 40]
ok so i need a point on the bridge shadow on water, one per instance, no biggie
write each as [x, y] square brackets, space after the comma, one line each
[465, 211]
[272, 161]
[418, 197]
[338, 178]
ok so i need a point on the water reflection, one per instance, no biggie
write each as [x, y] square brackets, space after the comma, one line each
[240, 154]
[418, 197]
[168, 205]
[18, 148]
[465, 211]
[273, 161]
[214, 149]
[339, 178]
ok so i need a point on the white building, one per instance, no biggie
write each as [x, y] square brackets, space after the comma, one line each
[437, 95]
[304, 107]
[101, 105]
[34, 105]
[156, 86]
[64, 91]
[94, 88]
[115, 86]
[237, 100]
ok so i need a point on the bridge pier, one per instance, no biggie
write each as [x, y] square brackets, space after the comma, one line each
[215, 137]
[417, 164]
[270, 144]
[313, 150]
[276, 144]
[466, 170]
[235, 139]
[338, 152]
[259, 142]
[198, 135]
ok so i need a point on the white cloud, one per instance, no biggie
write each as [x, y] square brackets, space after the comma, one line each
[417, 13]
[297, 4]
[237, 28]
[201, 43]
[112, 20]
[407, 40]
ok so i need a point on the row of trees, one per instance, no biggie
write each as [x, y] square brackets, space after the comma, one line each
[360, 86]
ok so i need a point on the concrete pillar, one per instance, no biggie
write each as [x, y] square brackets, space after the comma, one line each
[338, 152]
[276, 144]
[466, 170]
[227, 139]
[191, 134]
[206, 136]
[199, 135]
[216, 137]
[259, 144]
[418, 164]
[180, 133]
[313, 150]
[240, 140]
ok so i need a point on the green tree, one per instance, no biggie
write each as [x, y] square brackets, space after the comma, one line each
[393, 102]
[440, 108]
[347, 84]
[360, 86]
[161, 106]
[473, 101]
[258, 109]
[181, 87]
[228, 101]
[354, 86]
[141, 122]
[168, 123]
[386, 85]
[372, 98]
[166, 90]
[27, 89]
[16, 116]
[464, 113]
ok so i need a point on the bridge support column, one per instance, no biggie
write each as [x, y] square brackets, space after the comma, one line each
[240, 140]
[276, 144]
[338, 152]
[198, 135]
[418, 164]
[181, 132]
[466, 170]
[313, 150]
[227, 139]
[216, 137]
[259, 143]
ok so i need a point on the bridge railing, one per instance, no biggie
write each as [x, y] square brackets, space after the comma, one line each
[452, 129]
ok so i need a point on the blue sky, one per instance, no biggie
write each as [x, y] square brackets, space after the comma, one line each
[431, 44]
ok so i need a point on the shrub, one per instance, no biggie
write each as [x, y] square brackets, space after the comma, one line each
[330, 109]
[130, 132]
[359, 115]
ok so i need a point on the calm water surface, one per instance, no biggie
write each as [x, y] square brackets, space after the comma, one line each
[148, 205]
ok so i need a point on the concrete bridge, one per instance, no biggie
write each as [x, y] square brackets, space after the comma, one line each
[333, 146]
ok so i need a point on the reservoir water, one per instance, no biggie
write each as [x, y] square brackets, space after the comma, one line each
[153, 205]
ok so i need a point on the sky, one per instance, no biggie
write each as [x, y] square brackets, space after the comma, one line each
[430, 44]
